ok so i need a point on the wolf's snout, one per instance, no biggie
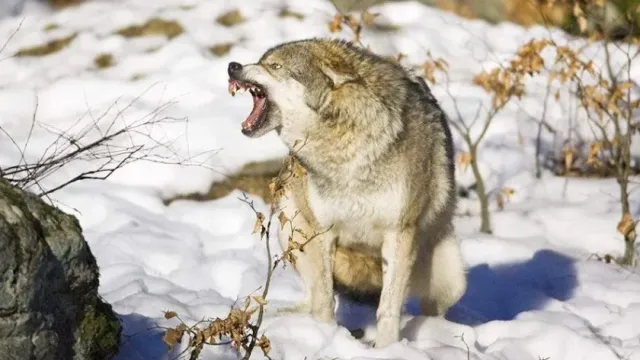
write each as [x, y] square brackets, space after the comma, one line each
[234, 68]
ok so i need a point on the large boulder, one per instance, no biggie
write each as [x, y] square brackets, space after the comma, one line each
[49, 303]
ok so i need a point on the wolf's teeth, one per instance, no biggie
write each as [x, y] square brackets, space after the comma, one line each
[241, 90]
[233, 92]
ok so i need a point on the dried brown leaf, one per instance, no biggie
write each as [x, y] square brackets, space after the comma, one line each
[464, 159]
[265, 344]
[335, 25]
[172, 337]
[170, 315]
[500, 201]
[282, 217]
[259, 221]
[367, 18]
[626, 225]
[568, 158]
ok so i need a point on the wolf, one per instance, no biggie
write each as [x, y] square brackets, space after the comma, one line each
[375, 201]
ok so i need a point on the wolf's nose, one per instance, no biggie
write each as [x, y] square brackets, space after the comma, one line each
[234, 67]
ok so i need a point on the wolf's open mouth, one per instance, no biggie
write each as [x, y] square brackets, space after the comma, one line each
[258, 113]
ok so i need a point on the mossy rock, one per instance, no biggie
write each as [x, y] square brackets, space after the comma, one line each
[49, 303]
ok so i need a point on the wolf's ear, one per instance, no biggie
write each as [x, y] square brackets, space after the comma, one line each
[338, 77]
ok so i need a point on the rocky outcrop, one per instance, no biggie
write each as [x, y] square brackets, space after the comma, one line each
[49, 302]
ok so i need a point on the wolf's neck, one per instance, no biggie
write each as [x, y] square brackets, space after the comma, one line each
[345, 155]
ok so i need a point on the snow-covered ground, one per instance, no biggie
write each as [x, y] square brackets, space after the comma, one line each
[534, 290]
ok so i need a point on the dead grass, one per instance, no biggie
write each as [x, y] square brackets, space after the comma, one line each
[48, 48]
[231, 18]
[221, 49]
[154, 26]
[103, 61]
[253, 178]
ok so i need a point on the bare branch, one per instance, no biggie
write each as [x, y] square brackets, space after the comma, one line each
[118, 143]
[4, 46]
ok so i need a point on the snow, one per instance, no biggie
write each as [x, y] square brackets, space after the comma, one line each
[535, 290]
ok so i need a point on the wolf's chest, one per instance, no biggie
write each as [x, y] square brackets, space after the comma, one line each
[357, 210]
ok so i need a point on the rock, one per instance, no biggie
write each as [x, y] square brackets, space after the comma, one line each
[49, 302]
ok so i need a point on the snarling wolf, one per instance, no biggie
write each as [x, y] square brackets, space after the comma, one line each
[378, 188]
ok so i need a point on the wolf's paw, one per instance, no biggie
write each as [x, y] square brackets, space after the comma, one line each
[387, 332]
[323, 313]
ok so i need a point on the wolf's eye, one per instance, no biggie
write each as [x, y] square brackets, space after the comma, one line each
[275, 66]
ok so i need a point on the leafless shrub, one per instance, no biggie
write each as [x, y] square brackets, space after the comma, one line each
[104, 145]
[240, 329]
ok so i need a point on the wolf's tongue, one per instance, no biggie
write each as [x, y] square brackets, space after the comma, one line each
[259, 104]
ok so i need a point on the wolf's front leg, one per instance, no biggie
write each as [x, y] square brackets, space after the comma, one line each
[398, 257]
[314, 263]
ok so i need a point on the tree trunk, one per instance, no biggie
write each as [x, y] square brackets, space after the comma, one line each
[485, 216]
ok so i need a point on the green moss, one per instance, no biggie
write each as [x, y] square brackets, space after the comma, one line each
[100, 330]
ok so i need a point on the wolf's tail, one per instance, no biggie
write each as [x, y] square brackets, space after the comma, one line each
[357, 275]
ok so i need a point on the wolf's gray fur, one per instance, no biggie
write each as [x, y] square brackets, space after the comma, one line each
[377, 155]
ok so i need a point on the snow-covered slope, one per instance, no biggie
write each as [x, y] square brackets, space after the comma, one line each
[534, 291]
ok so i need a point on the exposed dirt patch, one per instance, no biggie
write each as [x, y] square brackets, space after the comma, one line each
[221, 49]
[231, 18]
[48, 48]
[137, 76]
[287, 13]
[103, 61]
[50, 27]
[253, 178]
[153, 26]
